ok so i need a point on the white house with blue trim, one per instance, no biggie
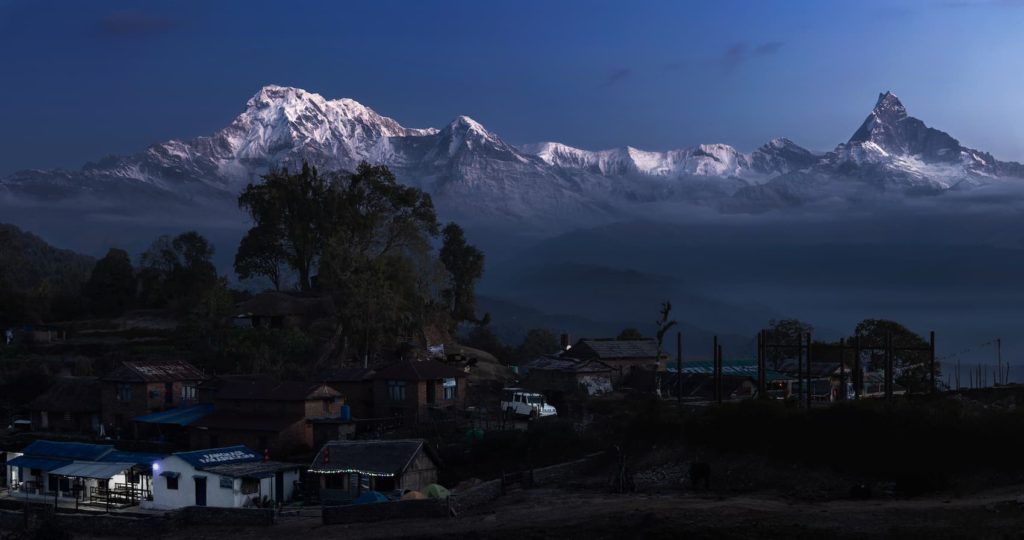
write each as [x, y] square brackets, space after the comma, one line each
[230, 477]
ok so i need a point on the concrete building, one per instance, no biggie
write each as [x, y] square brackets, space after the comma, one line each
[70, 405]
[230, 477]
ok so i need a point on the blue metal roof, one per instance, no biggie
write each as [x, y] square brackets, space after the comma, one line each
[219, 456]
[69, 451]
[179, 416]
[138, 458]
[47, 465]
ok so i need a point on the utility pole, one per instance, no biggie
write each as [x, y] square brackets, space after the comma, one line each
[999, 355]
[809, 356]
[679, 367]
[714, 368]
[931, 361]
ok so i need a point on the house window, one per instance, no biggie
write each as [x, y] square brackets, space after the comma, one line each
[451, 389]
[67, 417]
[188, 392]
[124, 392]
[396, 390]
[250, 485]
[172, 482]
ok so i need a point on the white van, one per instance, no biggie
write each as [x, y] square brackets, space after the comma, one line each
[521, 402]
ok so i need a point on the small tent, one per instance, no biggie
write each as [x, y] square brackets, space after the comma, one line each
[370, 497]
[436, 491]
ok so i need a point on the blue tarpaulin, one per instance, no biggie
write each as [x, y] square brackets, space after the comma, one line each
[179, 416]
[370, 497]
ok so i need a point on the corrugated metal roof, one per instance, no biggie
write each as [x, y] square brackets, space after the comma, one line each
[219, 456]
[155, 371]
[29, 462]
[258, 469]
[92, 469]
[138, 458]
[179, 416]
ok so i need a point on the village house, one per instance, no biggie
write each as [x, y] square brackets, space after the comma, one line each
[280, 416]
[556, 375]
[229, 477]
[342, 470]
[141, 387]
[70, 405]
[281, 310]
[624, 355]
[95, 474]
[415, 389]
[356, 384]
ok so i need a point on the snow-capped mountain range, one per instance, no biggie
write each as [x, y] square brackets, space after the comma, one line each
[473, 174]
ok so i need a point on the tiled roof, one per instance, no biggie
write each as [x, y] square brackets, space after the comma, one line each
[69, 394]
[419, 370]
[155, 371]
[228, 420]
[612, 349]
[567, 364]
[376, 457]
[350, 374]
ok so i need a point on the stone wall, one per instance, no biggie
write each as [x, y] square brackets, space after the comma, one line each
[557, 474]
[99, 525]
[421, 508]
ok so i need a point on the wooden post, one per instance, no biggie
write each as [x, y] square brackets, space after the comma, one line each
[679, 367]
[714, 368]
[931, 361]
[858, 373]
[888, 366]
[809, 358]
[842, 370]
[720, 375]
[761, 364]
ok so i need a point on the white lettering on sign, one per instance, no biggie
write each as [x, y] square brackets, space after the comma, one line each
[225, 456]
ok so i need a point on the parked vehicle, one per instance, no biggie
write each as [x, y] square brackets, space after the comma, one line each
[521, 402]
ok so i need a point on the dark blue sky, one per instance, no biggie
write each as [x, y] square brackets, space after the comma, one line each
[84, 79]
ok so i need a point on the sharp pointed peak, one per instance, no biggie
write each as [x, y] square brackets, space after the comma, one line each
[889, 106]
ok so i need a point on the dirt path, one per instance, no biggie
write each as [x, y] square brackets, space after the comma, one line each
[547, 513]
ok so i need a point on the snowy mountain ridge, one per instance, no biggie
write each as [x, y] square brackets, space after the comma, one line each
[473, 173]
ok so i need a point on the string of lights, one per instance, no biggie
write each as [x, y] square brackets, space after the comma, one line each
[351, 471]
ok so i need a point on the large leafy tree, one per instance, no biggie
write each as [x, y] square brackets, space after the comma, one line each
[289, 212]
[177, 271]
[911, 365]
[786, 337]
[536, 343]
[111, 286]
[465, 264]
[260, 254]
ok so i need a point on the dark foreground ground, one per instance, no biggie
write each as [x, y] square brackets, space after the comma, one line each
[555, 513]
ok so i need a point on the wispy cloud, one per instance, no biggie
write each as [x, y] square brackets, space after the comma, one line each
[981, 3]
[617, 75]
[133, 23]
[739, 53]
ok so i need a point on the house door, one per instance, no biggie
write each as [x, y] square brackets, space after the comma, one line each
[201, 491]
[431, 392]
[168, 393]
[279, 486]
